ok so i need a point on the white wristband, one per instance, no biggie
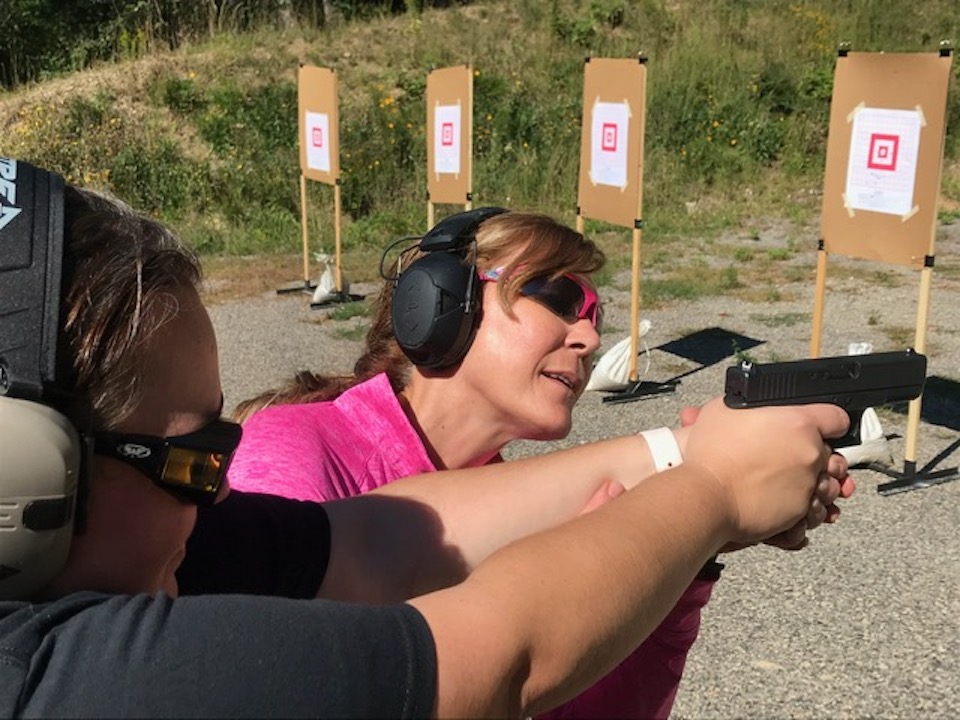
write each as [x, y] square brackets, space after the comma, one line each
[663, 448]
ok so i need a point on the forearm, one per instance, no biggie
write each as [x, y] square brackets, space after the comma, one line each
[483, 509]
[554, 612]
[427, 532]
[645, 684]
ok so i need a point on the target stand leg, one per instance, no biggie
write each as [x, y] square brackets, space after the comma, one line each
[305, 287]
[910, 479]
[337, 299]
[642, 389]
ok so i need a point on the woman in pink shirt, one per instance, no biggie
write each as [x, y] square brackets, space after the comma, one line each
[486, 337]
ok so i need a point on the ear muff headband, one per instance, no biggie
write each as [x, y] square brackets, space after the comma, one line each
[31, 274]
[435, 307]
[40, 448]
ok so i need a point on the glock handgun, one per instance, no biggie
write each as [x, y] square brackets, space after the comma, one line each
[854, 382]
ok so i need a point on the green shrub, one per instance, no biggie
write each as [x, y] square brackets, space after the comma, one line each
[738, 99]
[159, 179]
[182, 96]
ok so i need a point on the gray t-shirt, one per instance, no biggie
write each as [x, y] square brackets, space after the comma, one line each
[229, 655]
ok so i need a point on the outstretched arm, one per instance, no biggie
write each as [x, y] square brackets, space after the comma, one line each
[428, 532]
[548, 615]
[455, 519]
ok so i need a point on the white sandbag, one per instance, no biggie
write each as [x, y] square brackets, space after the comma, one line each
[326, 289]
[874, 446]
[612, 371]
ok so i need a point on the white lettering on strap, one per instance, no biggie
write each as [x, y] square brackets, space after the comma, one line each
[8, 191]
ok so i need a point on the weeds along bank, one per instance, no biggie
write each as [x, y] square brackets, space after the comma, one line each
[204, 136]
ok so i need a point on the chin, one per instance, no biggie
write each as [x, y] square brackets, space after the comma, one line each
[171, 588]
[555, 431]
[168, 581]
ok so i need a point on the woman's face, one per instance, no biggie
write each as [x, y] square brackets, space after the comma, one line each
[531, 368]
[136, 532]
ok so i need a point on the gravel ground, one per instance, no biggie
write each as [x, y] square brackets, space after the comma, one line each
[863, 623]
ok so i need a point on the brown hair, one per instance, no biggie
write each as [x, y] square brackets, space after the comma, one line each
[120, 268]
[546, 246]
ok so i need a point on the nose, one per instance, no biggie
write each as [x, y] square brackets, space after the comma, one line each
[583, 337]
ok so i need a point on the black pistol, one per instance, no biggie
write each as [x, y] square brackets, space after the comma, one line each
[854, 382]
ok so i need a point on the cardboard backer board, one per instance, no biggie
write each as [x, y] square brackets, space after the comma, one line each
[319, 124]
[611, 140]
[450, 107]
[871, 147]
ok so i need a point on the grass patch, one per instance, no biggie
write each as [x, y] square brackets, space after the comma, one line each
[741, 355]
[781, 319]
[228, 278]
[350, 310]
[901, 336]
[887, 279]
[690, 283]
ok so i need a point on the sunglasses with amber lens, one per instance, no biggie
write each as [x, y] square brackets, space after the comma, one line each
[192, 467]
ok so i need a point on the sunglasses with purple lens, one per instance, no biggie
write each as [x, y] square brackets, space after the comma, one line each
[566, 296]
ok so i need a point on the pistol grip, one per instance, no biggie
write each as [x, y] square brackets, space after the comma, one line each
[853, 432]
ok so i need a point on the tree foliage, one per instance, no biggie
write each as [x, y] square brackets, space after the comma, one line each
[43, 37]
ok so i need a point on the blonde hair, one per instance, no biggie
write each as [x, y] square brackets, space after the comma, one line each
[525, 245]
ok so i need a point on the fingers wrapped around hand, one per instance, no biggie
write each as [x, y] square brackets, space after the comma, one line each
[771, 483]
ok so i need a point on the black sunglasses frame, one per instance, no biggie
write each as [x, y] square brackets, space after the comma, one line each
[534, 288]
[150, 454]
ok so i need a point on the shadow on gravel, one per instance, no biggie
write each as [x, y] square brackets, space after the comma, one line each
[704, 347]
[941, 402]
[940, 406]
[708, 347]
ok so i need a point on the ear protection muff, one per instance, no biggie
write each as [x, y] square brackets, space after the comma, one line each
[41, 451]
[40, 462]
[435, 307]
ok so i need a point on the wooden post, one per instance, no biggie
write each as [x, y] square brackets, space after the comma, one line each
[336, 232]
[303, 230]
[818, 298]
[920, 343]
[635, 307]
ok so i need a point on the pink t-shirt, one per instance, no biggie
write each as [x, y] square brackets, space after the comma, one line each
[362, 440]
[329, 450]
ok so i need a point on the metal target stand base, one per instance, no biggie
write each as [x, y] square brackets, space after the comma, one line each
[338, 299]
[641, 389]
[306, 287]
[910, 479]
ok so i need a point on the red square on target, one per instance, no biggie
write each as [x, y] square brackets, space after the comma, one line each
[446, 134]
[608, 137]
[317, 137]
[883, 152]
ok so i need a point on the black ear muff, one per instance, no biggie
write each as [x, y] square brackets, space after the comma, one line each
[41, 453]
[436, 305]
[435, 310]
